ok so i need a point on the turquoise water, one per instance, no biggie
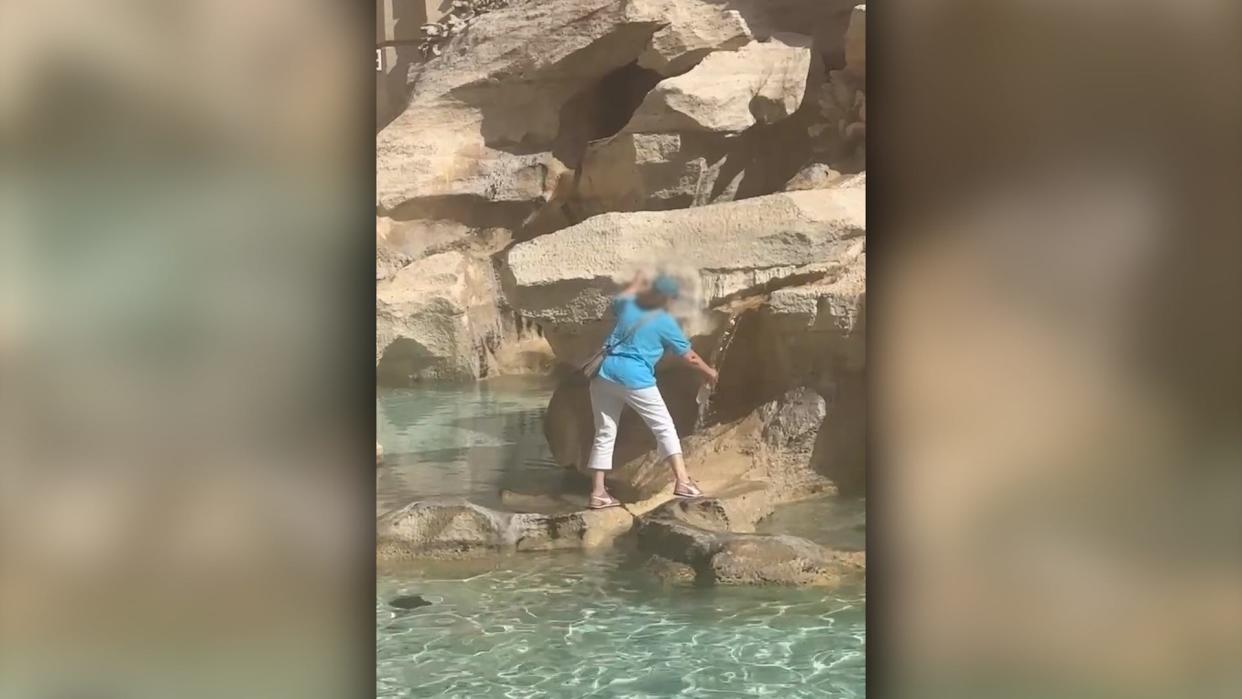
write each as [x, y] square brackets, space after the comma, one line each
[572, 625]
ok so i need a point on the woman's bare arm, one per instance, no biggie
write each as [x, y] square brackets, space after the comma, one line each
[696, 362]
[638, 284]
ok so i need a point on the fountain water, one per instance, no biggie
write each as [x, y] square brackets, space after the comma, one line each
[707, 392]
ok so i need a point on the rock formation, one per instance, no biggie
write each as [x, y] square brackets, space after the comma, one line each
[458, 529]
[697, 535]
[551, 148]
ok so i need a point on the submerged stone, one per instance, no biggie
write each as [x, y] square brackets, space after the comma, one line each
[408, 602]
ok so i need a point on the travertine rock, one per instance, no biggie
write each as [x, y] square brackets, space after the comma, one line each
[459, 529]
[730, 91]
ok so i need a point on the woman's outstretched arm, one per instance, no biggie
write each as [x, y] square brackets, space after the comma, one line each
[696, 362]
[638, 284]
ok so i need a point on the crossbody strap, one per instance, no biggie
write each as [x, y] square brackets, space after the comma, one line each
[629, 334]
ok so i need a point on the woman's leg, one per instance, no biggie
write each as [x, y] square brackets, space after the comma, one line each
[649, 405]
[607, 402]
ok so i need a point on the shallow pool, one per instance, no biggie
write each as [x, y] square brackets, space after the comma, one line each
[571, 625]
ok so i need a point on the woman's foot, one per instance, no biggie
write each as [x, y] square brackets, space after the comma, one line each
[687, 489]
[600, 502]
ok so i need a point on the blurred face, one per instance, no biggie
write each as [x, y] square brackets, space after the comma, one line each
[653, 299]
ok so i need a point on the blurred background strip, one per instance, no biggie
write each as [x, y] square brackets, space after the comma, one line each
[185, 383]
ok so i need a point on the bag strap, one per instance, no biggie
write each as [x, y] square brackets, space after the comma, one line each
[629, 334]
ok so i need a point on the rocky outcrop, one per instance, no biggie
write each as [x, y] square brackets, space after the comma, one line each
[459, 529]
[484, 117]
[433, 317]
[750, 465]
[824, 318]
[730, 91]
[782, 560]
[725, 130]
[438, 318]
[550, 149]
[813, 176]
[694, 30]
[697, 536]
[564, 280]
[841, 135]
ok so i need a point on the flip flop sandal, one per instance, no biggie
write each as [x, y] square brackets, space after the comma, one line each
[598, 503]
[688, 490]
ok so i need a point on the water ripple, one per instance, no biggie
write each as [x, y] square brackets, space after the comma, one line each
[568, 626]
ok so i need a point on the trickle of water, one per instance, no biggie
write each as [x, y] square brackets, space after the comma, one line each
[707, 392]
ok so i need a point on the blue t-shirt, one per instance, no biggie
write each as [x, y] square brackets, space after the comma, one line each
[632, 363]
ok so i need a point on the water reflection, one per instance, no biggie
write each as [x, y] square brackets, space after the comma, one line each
[467, 440]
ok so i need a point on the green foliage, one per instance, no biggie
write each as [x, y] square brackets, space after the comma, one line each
[459, 16]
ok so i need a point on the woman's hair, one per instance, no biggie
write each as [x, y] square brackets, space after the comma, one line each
[650, 300]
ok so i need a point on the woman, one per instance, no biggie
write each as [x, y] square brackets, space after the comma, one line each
[644, 331]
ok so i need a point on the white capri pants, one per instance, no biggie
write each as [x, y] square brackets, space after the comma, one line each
[608, 399]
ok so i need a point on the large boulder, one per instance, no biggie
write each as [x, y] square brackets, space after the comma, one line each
[500, 84]
[695, 29]
[730, 91]
[484, 117]
[443, 530]
[697, 535]
[824, 20]
[565, 280]
[782, 560]
[459, 529]
[821, 320]
[735, 126]
[840, 452]
[438, 318]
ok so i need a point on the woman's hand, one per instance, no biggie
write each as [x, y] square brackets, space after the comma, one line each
[638, 284]
[710, 375]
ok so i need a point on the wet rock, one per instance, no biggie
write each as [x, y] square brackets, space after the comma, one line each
[585, 529]
[458, 529]
[695, 534]
[442, 529]
[669, 572]
[540, 503]
[791, 427]
[779, 560]
[734, 509]
[677, 540]
[408, 602]
[791, 422]
[840, 449]
[816, 330]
